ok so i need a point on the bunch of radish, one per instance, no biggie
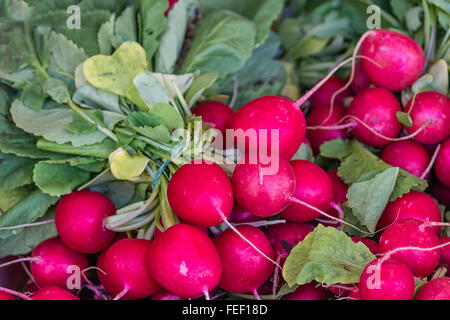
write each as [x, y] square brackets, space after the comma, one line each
[184, 262]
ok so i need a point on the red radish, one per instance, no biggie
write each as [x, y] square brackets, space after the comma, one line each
[184, 261]
[440, 192]
[240, 215]
[157, 232]
[217, 115]
[271, 113]
[205, 204]
[339, 187]
[6, 296]
[316, 118]
[361, 80]
[125, 265]
[284, 237]
[54, 293]
[445, 255]
[314, 187]
[413, 205]
[376, 108]
[163, 294]
[442, 164]
[55, 261]
[407, 155]
[436, 289]
[354, 295]
[411, 233]
[307, 142]
[322, 97]
[400, 59]
[431, 110]
[244, 269]
[308, 291]
[372, 245]
[389, 280]
[79, 220]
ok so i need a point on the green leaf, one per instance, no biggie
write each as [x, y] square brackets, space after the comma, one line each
[400, 7]
[158, 133]
[443, 4]
[105, 34]
[120, 192]
[9, 198]
[336, 149]
[15, 171]
[198, 87]
[368, 199]
[64, 55]
[58, 178]
[34, 206]
[439, 71]
[81, 126]
[125, 26]
[18, 10]
[404, 118]
[413, 18]
[222, 44]
[168, 116]
[350, 218]
[33, 95]
[309, 47]
[304, 153]
[328, 256]
[57, 90]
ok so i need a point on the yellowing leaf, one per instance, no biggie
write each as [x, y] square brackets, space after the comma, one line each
[124, 166]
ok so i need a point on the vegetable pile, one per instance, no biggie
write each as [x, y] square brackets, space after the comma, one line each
[120, 176]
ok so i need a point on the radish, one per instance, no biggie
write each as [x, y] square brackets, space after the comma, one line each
[339, 187]
[171, 4]
[412, 234]
[244, 269]
[79, 220]
[163, 294]
[445, 255]
[400, 59]
[372, 245]
[206, 204]
[386, 280]
[55, 261]
[314, 187]
[416, 161]
[436, 289]
[217, 115]
[6, 296]
[316, 118]
[354, 295]
[413, 205]
[374, 110]
[360, 80]
[240, 215]
[184, 261]
[440, 192]
[322, 97]
[127, 276]
[308, 291]
[54, 293]
[442, 164]
[158, 232]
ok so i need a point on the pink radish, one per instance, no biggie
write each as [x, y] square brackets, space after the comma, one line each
[436, 289]
[416, 161]
[79, 220]
[54, 293]
[430, 109]
[163, 294]
[440, 192]
[55, 260]
[244, 269]
[308, 291]
[442, 164]
[240, 215]
[6, 296]
[445, 255]
[372, 245]
[375, 108]
[322, 97]
[339, 187]
[127, 276]
[400, 59]
[317, 117]
[388, 280]
[361, 80]
[184, 261]
[411, 233]
[413, 205]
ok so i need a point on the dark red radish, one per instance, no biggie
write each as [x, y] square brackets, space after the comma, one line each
[440, 192]
[412, 205]
[339, 187]
[411, 233]
[354, 295]
[12, 276]
[314, 187]
[79, 220]
[408, 155]
[372, 245]
[399, 59]
[307, 142]
[217, 115]
[360, 80]
[285, 236]
[127, 274]
[375, 108]
[316, 117]
[322, 97]
[56, 263]
[436, 289]
[184, 261]
[261, 116]
[244, 268]
[205, 204]
[6, 296]
[240, 215]
[442, 164]
[309, 291]
[389, 280]
[430, 110]
[163, 294]
[445, 255]
[54, 293]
